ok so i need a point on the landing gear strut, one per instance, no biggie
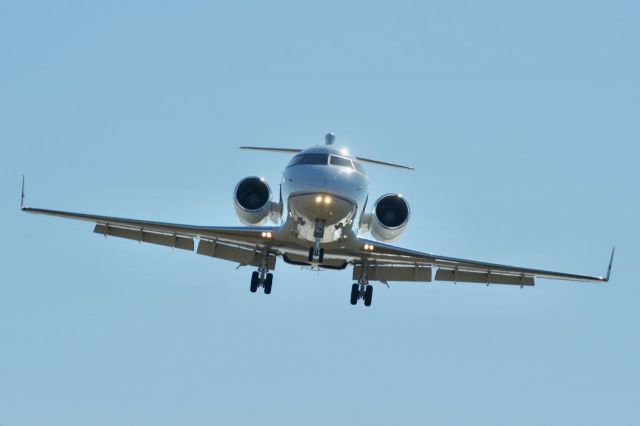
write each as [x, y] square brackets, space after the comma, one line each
[316, 251]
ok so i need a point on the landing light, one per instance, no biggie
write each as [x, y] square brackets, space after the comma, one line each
[327, 200]
[368, 247]
[319, 199]
[267, 235]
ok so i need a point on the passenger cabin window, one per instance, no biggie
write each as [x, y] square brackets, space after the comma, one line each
[341, 161]
[310, 159]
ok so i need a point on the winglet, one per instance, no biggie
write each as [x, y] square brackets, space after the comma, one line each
[610, 264]
[22, 196]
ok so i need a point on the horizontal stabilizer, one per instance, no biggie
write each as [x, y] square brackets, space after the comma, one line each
[296, 151]
[282, 150]
[384, 163]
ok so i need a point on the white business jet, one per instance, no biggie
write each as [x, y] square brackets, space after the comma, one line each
[321, 213]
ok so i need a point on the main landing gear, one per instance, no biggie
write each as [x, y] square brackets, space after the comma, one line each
[361, 290]
[265, 282]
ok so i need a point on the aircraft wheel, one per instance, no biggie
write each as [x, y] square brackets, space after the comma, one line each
[311, 254]
[368, 294]
[268, 283]
[354, 293]
[255, 279]
[321, 257]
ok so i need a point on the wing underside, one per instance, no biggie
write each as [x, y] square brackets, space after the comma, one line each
[391, 263]
[259, 246]
[244, 245]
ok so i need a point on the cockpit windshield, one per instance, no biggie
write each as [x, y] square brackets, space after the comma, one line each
[317, 159]
[325, 159]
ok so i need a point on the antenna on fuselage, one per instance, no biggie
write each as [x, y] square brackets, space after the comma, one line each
[330, 138]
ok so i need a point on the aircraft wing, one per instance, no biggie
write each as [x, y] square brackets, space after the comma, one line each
[410, 265]
[255, 245]
[237, 244]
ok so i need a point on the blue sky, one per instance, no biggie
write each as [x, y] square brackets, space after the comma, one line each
[521, 118]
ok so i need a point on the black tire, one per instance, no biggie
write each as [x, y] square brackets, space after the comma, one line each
[255, 278]
[368, 295]
[268, 283]
[311, 254]
[321, 257]
[354, 294]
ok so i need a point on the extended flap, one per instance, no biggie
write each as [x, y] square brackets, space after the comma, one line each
[482, 278]
[234, 254]
[394, 273]
[141, 235]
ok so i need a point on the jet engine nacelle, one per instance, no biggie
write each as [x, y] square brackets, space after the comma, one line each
[252, 201]
[389, 218]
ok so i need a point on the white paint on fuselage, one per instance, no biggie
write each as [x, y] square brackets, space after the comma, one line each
[305, 189]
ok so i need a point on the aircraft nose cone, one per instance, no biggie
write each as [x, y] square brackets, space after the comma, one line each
[344, 182]
[322, 206]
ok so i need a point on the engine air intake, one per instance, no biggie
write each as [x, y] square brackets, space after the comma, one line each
[390, 217]
[253, 203]
[392, 211]
[252, 193]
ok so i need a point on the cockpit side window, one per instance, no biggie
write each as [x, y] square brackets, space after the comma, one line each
[340, 161]
[358, 167]
[295, 160]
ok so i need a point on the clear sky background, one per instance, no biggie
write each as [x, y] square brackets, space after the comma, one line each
[522, 119]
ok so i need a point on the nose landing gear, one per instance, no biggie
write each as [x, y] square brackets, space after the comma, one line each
[318, 233]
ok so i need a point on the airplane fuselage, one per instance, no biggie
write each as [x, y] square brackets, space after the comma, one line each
[323, 186]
